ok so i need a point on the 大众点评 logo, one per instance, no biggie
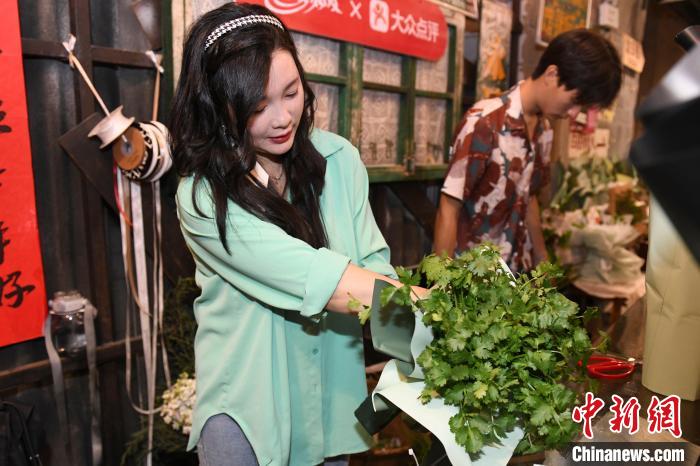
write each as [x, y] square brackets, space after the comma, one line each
[379, 15]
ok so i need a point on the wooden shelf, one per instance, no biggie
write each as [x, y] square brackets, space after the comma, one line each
[383, 174]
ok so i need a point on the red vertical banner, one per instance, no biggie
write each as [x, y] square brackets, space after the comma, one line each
[22, 292]
[409, 27]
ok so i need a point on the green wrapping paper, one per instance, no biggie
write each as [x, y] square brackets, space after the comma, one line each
[401, 334]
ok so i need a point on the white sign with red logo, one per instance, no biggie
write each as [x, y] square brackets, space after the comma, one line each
[407, 27]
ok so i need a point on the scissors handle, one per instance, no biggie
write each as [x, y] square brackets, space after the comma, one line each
[611, 371]
[606, 367]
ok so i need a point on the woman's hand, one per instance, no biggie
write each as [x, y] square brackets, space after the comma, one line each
[418, 293]
[358, 283]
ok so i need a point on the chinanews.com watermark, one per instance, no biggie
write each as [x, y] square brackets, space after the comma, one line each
[662, 415]
[618, 453]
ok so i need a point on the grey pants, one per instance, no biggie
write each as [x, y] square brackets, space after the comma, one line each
[222, 443]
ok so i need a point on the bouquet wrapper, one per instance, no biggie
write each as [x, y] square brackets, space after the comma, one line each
[607, 260]
[400, 333]
[672, 346]
[605, 267]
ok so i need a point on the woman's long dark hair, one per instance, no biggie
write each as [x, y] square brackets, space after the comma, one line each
[217, 93]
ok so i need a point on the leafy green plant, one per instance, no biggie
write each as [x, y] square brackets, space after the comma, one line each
[584, 182]
[505, 348]
[179, 326]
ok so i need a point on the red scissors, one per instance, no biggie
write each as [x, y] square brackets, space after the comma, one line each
[607, 367]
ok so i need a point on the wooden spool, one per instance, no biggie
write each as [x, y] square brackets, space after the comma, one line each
[129, 156]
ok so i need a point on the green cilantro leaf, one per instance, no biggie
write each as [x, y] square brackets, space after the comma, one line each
[503, 348]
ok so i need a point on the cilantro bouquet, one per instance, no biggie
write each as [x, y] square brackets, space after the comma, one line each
[504, 351]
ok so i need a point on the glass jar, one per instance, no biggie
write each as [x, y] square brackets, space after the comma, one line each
[68, 323]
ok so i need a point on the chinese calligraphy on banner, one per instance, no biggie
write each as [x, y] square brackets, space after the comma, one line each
[557, 16]
[22, 293]
[494, 48]
[409, 27]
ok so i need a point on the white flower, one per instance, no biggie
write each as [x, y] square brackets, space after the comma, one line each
[178, 402]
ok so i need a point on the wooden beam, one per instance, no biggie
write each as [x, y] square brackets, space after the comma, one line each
[110, 56]
[386, 174]
[104, 55]
[43, 49]
[36, 371]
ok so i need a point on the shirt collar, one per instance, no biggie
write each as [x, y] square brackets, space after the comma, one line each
[325, 143]
[515, 106]
[259, 172]
[515, 112]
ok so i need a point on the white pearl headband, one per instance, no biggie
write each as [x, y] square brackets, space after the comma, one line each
[229, 26]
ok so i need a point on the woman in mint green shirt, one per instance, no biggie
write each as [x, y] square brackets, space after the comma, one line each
[277, 219]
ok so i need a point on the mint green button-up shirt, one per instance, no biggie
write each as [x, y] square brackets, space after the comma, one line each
[266, 352]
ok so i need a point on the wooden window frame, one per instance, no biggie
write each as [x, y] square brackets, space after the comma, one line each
[351, 85]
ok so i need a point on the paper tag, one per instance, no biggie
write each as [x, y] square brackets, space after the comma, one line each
[609, 15]
[632, 53]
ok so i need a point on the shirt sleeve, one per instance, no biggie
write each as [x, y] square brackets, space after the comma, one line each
[265, 262]
[470, 154]
[374, 253]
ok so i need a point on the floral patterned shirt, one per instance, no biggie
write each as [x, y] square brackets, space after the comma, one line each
[494, 169]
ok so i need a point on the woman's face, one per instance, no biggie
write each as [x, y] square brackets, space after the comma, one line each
[276, 119]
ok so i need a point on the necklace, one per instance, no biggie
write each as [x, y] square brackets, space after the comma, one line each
[278, 183]
[267, 170]
[278, 177]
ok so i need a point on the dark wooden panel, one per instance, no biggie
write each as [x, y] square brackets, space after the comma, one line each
[661, 52]
[395, 234]
[80, 25]
[177, 260]
[95, 164]
[112, 433]
[95, 191]
[412, 196]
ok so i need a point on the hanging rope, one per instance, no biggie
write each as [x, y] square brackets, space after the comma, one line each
[69, 45]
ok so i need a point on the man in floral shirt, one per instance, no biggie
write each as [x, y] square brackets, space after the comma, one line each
[500, 154]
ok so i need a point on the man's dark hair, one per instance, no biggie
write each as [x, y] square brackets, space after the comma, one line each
[587, 62]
